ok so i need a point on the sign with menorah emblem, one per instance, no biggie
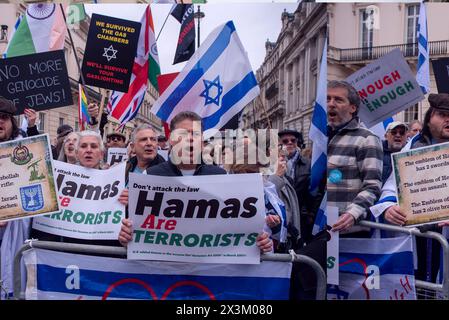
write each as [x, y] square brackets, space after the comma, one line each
[27, 181]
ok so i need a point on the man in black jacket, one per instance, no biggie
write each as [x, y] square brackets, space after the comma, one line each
[144, 143]
[298, 173]
[396, 138]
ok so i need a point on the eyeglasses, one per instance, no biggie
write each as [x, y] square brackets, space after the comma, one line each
[116, 138]
[400, 132]
[287, 140]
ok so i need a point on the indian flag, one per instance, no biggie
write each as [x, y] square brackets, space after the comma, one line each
[42, 29]
[154, 68]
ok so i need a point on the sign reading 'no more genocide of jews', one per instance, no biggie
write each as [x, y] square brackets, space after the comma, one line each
[39, 81]
[422, 181]
[110, 50]
[202, 219]
[386, 87]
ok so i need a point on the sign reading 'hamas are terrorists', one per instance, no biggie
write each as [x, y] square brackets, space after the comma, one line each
[89, 201]
[386, 87]
[422, 181]
[39, 81]
[26, 180]
[110, 50]
[205, 219]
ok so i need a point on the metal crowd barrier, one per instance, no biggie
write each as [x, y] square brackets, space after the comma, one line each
[443, 288]
[121, 252]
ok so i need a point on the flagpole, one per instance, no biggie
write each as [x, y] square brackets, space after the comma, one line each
[166, 18]
[74, 52]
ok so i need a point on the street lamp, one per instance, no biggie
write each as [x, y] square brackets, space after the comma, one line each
[199, 15]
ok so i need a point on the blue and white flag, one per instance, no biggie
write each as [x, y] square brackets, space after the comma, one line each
[321, 217]
[318, 136]
[274, 205]
[318, 128]
[375, 269]
[216, 83]
[423, 74]
[65, 276]
[388, 196]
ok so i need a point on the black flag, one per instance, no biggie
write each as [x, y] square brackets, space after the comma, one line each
[441, 72]
[186, 41]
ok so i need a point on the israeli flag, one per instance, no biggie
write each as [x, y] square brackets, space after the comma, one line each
[216, 83]
[321, 217]
[388, 196]
[318, 136]
[318, 128]
[375, 269]
[423, 74]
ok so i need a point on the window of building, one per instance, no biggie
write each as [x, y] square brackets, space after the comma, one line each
[61, 121]
[76, 126]
[4, 32]
[412, 30]
[411, 114]
[41, 127]
[366, 31]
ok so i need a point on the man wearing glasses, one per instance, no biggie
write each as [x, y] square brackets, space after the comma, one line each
[116, 140]
[298, 172]
[396, 138]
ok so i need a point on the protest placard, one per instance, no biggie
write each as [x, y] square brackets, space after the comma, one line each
[110, 50]
[117, 155]
[204, 219]
[386, 87]
[422, 176]
[26, 178]
[89, 202]
[39, 81]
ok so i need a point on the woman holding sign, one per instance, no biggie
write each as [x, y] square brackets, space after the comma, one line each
[88, 149]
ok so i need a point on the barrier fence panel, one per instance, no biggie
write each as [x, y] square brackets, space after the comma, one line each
[121, 252]
[427, 289]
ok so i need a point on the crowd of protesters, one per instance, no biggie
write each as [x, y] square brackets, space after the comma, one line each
[360, 179]
[288, 185]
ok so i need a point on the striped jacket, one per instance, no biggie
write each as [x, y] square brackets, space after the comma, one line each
[354, 170]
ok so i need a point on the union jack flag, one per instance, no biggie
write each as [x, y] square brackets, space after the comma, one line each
[125, 106]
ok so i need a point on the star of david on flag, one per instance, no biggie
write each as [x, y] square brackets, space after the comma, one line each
[212, 88]
[216, 83]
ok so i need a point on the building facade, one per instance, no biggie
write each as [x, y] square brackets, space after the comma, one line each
[49, 120]
[362, 32]
[288, 76]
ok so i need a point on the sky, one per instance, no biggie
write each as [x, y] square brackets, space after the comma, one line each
[254, 22]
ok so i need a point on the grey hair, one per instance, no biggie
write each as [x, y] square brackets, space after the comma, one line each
[353, 96]
[413, 122]
[90, 133]
[140, 128]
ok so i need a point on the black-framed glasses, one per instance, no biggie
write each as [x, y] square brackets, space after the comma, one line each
[287, 140]
[116, 138]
